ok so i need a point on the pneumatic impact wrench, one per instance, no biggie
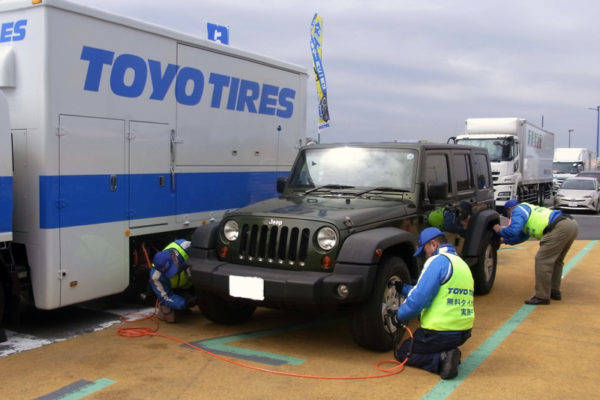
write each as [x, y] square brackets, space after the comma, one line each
[395, 327]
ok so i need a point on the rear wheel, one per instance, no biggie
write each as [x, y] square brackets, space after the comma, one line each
[369, 329]
[223, 311]
[484, 271]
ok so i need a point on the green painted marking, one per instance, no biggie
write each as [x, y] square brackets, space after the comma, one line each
[512, 248]
[445, 387]
[88, 389]
[222, 345]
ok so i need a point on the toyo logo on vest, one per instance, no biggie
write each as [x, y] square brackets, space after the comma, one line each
[243, 94]
[460, 291]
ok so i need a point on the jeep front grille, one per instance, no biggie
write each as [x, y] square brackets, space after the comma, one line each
[274, 243]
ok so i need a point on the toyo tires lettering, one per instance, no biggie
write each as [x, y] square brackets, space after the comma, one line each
[129, 75]
[460, 291]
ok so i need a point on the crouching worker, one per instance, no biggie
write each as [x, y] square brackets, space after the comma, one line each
[170, 280]
[443, 296]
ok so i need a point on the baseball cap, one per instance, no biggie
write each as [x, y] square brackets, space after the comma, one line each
[165, 264]
[509, 204]
[425, 236]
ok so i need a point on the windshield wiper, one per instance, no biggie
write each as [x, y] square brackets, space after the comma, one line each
[328, 187]
[382, 189]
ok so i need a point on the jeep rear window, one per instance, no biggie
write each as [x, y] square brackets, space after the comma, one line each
[359, 167]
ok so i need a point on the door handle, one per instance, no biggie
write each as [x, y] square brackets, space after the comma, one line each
[113, 183]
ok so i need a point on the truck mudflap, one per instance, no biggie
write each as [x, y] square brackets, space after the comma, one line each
[285, 286]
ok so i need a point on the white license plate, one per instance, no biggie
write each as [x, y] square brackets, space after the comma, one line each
[572, 204]
[247, 287]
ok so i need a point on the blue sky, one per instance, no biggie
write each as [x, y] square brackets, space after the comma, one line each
[417, 69]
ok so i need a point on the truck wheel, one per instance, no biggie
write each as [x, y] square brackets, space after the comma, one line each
[484, 271]
[368, 325]
[222, 311]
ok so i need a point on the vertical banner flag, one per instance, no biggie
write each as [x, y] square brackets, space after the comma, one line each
[316, 48]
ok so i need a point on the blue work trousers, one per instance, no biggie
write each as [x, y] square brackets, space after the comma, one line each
[428, 346]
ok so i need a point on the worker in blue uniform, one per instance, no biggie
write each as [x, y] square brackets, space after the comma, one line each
[170, 280]
[443, 297]
[556, 233]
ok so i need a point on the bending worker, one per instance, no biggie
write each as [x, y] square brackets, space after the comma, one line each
[451, 219]
[443, 296]
[556, 233]
[170, 280]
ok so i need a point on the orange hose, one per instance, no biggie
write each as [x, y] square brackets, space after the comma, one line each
[141, 331]
[146, 256]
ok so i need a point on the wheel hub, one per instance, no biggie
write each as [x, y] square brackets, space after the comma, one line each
[391, 300]
[488, 262]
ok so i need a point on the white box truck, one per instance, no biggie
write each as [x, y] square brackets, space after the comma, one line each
[125, 132]
[520, 156]
[569, 161]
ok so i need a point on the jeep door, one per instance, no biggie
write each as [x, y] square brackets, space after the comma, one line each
[483, 183]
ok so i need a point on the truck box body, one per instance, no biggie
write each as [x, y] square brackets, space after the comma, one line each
[6, 172]
[122, 128]
[520, 155]
[569, 161]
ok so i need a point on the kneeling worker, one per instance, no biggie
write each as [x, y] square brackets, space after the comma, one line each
[443, 296]
[170, 280]
[556, 233]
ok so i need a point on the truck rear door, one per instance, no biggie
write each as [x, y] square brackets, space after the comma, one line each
[92, 205]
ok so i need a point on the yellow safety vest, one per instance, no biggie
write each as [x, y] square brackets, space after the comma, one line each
[537, 220]
[452, 307]
[181, 280]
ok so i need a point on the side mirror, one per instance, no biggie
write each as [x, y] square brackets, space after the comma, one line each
[281, 184]
[437, 191]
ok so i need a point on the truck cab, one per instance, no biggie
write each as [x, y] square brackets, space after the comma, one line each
[503, 151]
[344, 230]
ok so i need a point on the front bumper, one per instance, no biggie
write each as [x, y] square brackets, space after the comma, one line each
[288, 287]
[574, 205]
[504, 192]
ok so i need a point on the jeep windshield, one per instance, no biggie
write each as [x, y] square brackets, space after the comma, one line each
[356, 168]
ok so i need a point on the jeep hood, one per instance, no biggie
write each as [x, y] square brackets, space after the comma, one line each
[334, 210]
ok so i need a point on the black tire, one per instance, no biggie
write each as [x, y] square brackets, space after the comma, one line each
[368, 327]
[484, 271]
[223, 311]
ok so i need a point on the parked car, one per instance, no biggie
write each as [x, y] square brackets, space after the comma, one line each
[578, 194]
[343, 231]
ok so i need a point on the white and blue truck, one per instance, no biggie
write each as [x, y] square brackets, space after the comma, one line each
[122, 133]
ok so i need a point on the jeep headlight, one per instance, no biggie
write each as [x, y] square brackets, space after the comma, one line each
[231, 230]
[326, 238]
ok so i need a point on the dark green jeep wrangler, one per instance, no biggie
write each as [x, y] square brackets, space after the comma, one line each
[344, 228]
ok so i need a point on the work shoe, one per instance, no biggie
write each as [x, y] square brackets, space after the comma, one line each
[555, 294]
[449, 361]
[166, 314]
[536, 301]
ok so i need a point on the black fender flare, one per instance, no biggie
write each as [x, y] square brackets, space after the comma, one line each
[360, 248]
[205, 236]
[479, 224]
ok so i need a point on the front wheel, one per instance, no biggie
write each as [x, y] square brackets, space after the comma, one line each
[223, 311]
[369, 329]
[484, 271]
